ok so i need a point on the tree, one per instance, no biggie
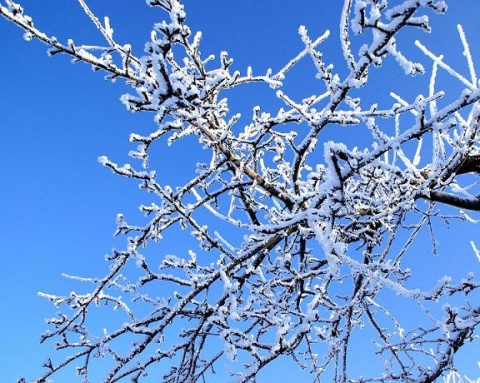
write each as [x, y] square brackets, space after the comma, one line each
[300, 241]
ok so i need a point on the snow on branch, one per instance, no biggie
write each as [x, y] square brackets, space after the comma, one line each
[286, 242]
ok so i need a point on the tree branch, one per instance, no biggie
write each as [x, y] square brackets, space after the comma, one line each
[453, 200]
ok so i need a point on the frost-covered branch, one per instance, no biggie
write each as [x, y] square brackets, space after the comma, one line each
[287, 243]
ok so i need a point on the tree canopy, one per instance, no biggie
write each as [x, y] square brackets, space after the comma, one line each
[289, 241]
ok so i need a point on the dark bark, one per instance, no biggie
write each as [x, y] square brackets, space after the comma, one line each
[471, 164]
[453, 200]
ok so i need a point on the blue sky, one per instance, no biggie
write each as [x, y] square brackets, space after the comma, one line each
[58, 204]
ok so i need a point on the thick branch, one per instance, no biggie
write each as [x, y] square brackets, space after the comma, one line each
[453, 200]
[471, 164]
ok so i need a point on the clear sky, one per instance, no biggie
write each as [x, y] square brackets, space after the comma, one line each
[58, 204]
